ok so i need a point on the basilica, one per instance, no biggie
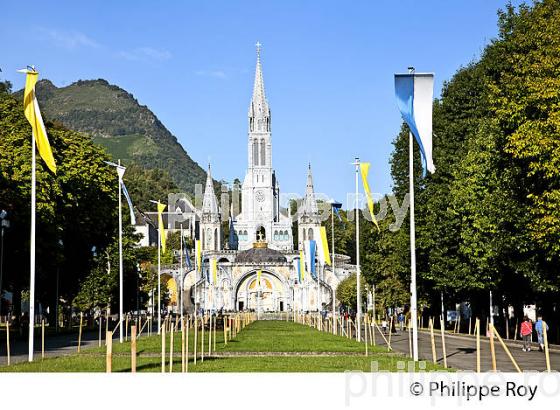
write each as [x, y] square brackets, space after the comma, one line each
[260, 269]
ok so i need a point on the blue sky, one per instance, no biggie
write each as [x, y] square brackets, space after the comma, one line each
[328, 68]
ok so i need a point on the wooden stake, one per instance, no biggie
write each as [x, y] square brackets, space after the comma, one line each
[8, 340]
[225, 331]
[163, 348]
[183, 345]
[470, 323]
[389, 348]
[195, 337]
[202, 340]
[492, 349]
[80, 331]
[42, 339]
[390, 329]
[516, 325]
[410, 337]
[215, 333]
[126, 328]
[477, 331]
[100, 326]
[133, 349]
[187, 347]
[109, 352]
[443, 342]
[432, 339]
[210, 335]
[506, 349]
[171, 346]
[545, 340]
[366, 335]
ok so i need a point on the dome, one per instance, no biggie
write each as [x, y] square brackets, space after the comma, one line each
[260, 255]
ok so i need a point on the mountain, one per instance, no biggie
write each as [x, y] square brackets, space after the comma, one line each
[128, 131]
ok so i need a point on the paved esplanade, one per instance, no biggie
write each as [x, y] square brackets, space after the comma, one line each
[461, 352]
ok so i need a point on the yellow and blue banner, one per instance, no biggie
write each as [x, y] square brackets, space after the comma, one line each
[415, 93]
[161, 228]
[214, 271]
[198, 255]
[324, 254]
[33, 115]
[301, 270]
[364, 170]
[310, 247]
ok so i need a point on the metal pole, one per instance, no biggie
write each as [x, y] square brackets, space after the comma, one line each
[32, 249]
[442, 310]
[56, 304]
[413, 300]
[181, 272]
[120, 172]
[491, 310]
[358, 273]
[1, 263]
[333, 270]
[159, 282]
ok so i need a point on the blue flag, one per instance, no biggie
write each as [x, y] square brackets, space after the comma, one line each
[336, 207]
[310, 254]
[188, 258]
[130, 207]
[415, 94]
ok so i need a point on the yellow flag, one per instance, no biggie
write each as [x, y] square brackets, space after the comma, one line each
[214, 269]
[33, 115]
[325, 246]
[198, 252]
[160, 209]
[364, 170]
[259, 274]
[302, 265]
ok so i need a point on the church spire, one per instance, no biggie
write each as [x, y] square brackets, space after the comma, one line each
[209, 203]
[309, 203]
[259, 112]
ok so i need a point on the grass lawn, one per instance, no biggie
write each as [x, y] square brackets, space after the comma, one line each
[295, 342]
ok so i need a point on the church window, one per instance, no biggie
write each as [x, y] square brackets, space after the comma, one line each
[255, 152]
[310, 234]
[304, 235]
[275, 235]
[285, 235]
[216, 239]
[263, 152]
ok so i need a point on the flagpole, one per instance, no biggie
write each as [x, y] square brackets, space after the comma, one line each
[332, 262]
[196, 268]
[358, 273]
[181, 272]
[32, 248]
[159, 281]
[120, 173]
[413, 301]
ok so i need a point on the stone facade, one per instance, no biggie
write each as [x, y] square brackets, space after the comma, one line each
[264, 237]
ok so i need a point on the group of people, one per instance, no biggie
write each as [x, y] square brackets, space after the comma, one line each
[526, 332]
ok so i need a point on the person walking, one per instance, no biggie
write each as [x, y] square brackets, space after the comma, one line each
[540, 332]
[526, 332]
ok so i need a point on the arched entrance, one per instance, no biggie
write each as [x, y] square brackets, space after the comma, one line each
[260, 234]
[268, 296]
